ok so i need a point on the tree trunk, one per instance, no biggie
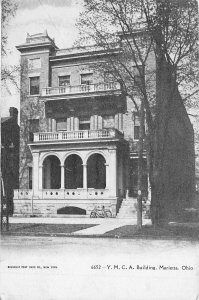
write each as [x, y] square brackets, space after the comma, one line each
[165, 87]
[140, 166]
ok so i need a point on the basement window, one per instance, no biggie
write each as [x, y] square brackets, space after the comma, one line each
[34, 85]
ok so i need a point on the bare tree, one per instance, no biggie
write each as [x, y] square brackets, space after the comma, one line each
[165, 30]
[9, 74]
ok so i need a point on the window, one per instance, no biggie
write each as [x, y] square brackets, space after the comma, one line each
[33, 127]
[136, 126]
[64, 80]
[30, 177]
[136, 132]
[108, 122]
[34, 85]
[34, 63]
[87, 78]
[137, 74]
[84, 124]
[61, 124]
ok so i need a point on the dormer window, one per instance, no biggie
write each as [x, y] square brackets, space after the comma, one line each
[87, 78]
[64, 80]
[34, 85]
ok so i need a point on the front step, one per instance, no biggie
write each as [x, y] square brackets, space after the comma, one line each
[128, 209]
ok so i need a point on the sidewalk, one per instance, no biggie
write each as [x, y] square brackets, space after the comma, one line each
[102, 225]
[99, 227]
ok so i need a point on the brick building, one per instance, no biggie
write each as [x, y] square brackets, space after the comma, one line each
[79, 133]
[10, 154]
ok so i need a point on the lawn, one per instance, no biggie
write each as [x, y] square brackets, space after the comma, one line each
[32, 229]
[148, 231]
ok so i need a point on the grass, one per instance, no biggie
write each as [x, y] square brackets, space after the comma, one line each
[46, 228]
[149, 231]
[168, 231]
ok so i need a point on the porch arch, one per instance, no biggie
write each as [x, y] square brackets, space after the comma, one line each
[51, 172]
[73, 171]
[43, 156]
[96, 171]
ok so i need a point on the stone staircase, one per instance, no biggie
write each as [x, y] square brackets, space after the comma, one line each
[128, 209]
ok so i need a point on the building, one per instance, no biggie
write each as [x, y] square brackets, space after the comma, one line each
[79, 133]
[194, 116]
[10, 155]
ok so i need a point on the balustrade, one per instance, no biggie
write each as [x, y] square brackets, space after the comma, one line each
[82, 88]
[76, 135]
[23, 194]
[79, 193]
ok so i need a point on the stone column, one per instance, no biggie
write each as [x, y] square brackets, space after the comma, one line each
[120, 122]
[40, 177]
[107, 176]
[62, 177]
[112, 174]
[50, 125]
[99, 122]
[95, 125]
[76, 125]
[92, 123]
[35, 176]
[84, 176]
[53, 125]
[68, 124]
[72, 123]
[116, 122]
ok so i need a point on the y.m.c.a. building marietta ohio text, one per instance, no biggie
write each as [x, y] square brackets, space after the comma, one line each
[79, 134]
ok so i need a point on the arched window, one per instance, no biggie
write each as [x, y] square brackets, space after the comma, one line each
[96, 172]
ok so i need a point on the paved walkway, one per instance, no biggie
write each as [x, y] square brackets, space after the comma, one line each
[102, 225]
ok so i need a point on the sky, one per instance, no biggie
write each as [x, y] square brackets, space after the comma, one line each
[58, 17]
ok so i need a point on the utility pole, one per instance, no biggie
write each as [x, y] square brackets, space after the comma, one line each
[140, 166]
[4, 208]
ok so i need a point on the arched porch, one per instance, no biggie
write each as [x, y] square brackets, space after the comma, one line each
[73, 172]
[96, 171]
[51, 176]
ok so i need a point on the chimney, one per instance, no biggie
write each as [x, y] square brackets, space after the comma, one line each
[13, 113]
